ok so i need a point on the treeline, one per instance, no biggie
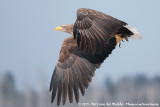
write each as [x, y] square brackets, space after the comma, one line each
[138, 89]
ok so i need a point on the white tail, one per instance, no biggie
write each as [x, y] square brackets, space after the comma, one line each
[133, 29]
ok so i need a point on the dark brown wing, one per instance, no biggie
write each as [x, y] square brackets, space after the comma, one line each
[93, 29]
[75, 69]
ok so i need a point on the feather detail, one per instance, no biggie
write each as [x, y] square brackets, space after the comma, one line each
[133, 29]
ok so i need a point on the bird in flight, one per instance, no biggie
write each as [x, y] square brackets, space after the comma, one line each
[94, 37]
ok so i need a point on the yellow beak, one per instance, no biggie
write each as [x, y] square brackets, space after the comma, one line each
[58, 28]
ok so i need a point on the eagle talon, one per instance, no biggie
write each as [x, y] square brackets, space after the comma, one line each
[119, 39]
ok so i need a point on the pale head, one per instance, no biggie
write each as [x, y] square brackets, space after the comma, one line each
[68, 28]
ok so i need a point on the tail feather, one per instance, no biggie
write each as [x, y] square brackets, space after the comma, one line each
[136, 35]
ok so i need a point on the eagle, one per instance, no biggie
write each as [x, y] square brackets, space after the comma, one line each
[94, 36]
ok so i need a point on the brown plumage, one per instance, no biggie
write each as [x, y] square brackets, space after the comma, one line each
[93, 39]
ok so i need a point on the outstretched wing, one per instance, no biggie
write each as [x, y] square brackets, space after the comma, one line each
[93, 29]
[75, 69]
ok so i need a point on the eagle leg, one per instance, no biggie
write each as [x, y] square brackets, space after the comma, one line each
[118, 39]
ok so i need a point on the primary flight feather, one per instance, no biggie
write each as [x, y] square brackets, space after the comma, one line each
[94, 36]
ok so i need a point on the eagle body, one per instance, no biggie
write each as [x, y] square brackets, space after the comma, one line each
[94, 37]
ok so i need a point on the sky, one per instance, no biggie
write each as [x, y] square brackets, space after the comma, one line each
[29, 45]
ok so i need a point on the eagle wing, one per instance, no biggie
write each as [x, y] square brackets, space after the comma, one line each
[93, 29]
[75, 69]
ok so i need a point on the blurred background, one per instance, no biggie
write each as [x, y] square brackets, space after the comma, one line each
[29, 49]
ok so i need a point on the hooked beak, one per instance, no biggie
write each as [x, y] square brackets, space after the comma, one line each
[58, 28]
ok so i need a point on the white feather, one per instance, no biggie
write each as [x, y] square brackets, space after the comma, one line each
[133, 29]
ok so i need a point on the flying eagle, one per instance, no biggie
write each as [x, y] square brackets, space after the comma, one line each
[94, 36]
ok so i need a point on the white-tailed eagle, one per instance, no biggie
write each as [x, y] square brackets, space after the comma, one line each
[94, 36]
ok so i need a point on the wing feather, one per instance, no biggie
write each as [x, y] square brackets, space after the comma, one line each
[75, 69]
[93, 23]
[70, 87]
[60, 82]
[65, 87]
